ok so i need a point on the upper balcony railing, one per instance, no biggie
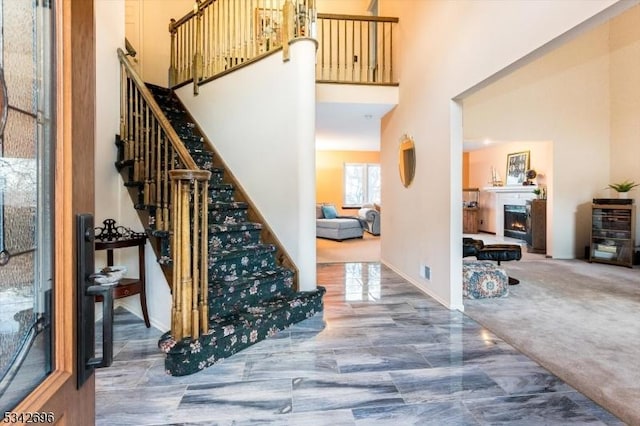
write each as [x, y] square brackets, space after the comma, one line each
[220, 35]
[355, 49]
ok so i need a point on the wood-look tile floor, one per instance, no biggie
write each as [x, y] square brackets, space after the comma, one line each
[381, 353]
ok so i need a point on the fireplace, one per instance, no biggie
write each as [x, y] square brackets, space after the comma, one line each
[501, 196]
[515, 221]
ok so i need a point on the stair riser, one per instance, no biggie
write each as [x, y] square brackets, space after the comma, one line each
[188, 357]
[175, 116]
[184, 128]
[230, 269]
[204, 162]
[225, 300]
[190, 139]
[250, 298]
[225, 195]
[165, 251]
[228, 216]
[228, 239]
[192, 145]
[216, 177]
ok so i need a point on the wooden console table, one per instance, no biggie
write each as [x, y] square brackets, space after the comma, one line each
[111, 237]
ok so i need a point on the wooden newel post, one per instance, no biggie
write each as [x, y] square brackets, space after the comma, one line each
[189, 248]
[176, 287]
[288, 27]
[173, 70]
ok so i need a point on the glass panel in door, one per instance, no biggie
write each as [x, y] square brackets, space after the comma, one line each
[26, 161]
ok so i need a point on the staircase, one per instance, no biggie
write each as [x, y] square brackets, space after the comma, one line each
[250, 295]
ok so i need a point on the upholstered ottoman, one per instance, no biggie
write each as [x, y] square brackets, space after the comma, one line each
[501, 253]
[483, 279]
[338, 229]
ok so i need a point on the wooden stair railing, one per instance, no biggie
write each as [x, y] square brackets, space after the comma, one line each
[190, 310]
[174, 193]
[218, 36]
[268, 234]
[356, 49]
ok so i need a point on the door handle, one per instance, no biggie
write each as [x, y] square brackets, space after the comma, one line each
[87, 290]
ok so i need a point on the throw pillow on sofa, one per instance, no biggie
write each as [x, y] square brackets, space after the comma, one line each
[329, 212]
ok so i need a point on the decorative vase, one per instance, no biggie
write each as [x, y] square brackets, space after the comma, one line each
[623, 195]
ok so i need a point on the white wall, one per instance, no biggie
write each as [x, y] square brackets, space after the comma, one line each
[624, 81]
[112, 200]
[347, 7]
[586, 97]
[481, 161]
[562, 97]
[348, 116]
[261, 119]
[449, 47]
[109, 37]
[151, 36]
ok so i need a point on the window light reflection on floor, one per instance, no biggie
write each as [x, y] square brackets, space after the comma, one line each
[362, 282]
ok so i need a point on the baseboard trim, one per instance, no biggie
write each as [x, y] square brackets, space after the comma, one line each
[420, 287]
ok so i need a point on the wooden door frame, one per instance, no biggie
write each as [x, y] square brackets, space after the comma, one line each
[75, 85]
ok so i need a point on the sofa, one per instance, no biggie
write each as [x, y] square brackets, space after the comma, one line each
[370, 217]
[334, 227]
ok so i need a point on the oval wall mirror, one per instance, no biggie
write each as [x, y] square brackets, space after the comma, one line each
[407, 160]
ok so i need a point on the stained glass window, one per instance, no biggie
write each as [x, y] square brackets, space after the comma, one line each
[26, 147]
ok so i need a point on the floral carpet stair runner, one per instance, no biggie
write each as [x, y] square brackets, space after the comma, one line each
[250, 296]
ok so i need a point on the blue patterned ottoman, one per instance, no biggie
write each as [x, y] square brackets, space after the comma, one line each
[482, 279]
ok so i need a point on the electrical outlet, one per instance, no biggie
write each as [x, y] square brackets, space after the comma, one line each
[425, 272]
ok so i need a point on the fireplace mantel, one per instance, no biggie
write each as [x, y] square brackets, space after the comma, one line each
[524, 189]
[516, 195]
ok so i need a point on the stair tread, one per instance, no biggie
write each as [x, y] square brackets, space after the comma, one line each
[246, 319]
[234, 226]
[229, 253]
[191, 142]
[228, 205]
[199, 151]
[269, 274]
[263, 309]
[221, 186]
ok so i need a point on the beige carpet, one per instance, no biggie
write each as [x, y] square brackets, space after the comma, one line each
[579, 320]
[366, 249]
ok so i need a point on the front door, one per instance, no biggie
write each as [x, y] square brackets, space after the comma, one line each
[47, 91]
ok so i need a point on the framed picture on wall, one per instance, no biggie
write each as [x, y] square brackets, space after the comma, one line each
[517, 166]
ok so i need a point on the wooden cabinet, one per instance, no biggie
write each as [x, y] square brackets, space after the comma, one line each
[612, 234]
[470, 210]
[112, 237]
[470, 220]
[537, 226]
